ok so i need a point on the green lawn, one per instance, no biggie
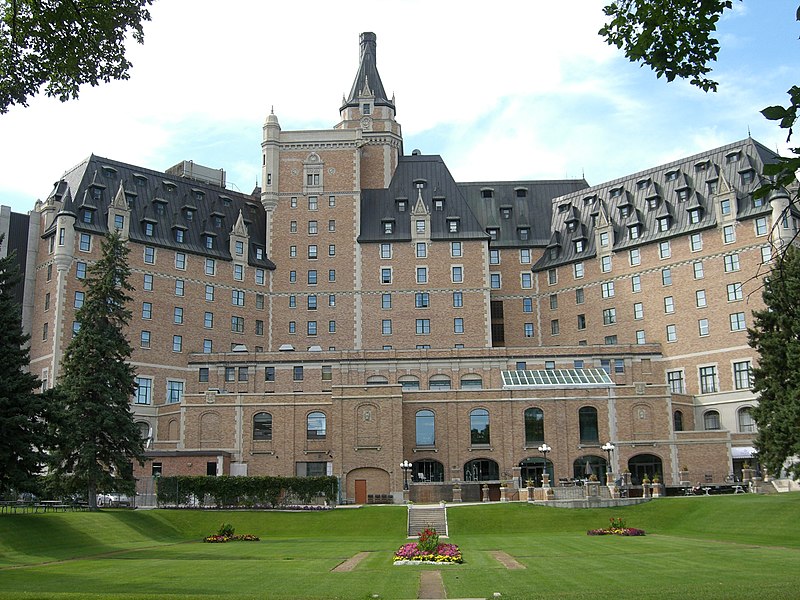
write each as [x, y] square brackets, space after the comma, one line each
[716, 547]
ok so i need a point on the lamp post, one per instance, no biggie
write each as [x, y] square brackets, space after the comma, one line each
[544, 449]
[406, 466]
[609, 448]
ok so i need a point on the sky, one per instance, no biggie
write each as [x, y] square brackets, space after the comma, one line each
[526, 90]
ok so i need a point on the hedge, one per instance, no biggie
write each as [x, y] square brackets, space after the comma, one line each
[226, 491]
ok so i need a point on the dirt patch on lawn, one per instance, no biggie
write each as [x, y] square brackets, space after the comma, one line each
[351, 563]
[508, 561]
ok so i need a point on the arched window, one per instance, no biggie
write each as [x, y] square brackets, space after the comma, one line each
[585, 466]
[427, 470]
[377, 380]
[316, 426]
[262, 426]
[479, 426]
[711, 420]
[531, 469]
[746, 422]
[534, 426]
[471, 382]
[426, 428]
[677, 420]
[408, 382]
[587, 417]
[439, 382]
[481, 469]
[645, 464]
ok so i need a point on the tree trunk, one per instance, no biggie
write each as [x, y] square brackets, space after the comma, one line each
[92, 495]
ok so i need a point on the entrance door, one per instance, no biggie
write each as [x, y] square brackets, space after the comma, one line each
[361, 491]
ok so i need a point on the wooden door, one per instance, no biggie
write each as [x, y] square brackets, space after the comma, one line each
[361, 491]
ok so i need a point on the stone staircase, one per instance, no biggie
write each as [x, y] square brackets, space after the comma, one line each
[427, 517]
[784, 485]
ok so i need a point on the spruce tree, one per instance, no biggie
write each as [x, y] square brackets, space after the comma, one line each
[776, 337]
[97, 438]
[22, 426]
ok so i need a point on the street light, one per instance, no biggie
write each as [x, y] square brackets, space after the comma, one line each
[609, 448]
[544, 449]
[406, 466]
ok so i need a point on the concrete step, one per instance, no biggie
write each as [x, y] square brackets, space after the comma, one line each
[423, 518]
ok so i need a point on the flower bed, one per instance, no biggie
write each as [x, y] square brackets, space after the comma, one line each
[617, 527]
[428, 551]
[226, 533]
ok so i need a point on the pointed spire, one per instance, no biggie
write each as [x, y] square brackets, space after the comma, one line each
[240, 228]
[368, 81]
[120, 201]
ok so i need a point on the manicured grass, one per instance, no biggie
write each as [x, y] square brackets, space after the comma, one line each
[716, 547]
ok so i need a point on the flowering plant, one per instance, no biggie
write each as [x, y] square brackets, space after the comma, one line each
[226, 534]
[429, 550]
[616, 527]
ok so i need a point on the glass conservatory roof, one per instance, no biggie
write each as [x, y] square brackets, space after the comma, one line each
[556, 378]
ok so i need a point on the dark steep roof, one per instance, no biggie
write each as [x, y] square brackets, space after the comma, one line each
[368, 74]
[164, 201]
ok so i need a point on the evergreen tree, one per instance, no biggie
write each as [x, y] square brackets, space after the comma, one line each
[97, 438]
[776, 337]
[22, 428]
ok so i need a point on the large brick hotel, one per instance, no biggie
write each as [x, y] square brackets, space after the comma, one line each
[362, 308]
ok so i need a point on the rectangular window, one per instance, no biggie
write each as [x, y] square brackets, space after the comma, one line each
[331, 326]
[292, 251]
[607, 289]
[312, 203]
[208, 346]
[174, 391]
[237, 297]
[237, 324]
[80, 272]
[636, 284]
[331, 201]
[708, 380]
[458, 325]
[292, 327]
[494, 281]
[331, 249]
[494, 257]
[386, 275]
[737, 321]
[605, 264]
[766, 254]
[144, 339]
[669, 304]
[697, 269]
[260, 301]
[180, 261]
[179, 287]
[209, 293]
[554, 327]
[675, 382]
[609, 316]
[577, 270]
[422, 274]
[269, 373]
[147, 310]
[208, 320]
[635, 257]
[238, 272]
[332, 225]
[422, 250]
[664, 250]
[528, 330]
[312, 302]
[638, 311]
[525, 256]
[527, 305]
[526, 280]
[672, 333]
[144, 390]
[386, 301]
[553, 301]
[742, 375]
[640, 338]
[552, 276]
[292, 276]
[421, 300]
[260, 276]
[312, 228]
[149, 255]
[581, 321]
[85, 244]
[735, 292]
[666, 276]
[457, 274]
[177, 343]
[386, 327]
[312, 277]
[458, 299]
[211, 266]
[728, 234]
[580, 296]
[423, 326]
[386, 251]
[456, 250]
[702, 327]
[696, 242]
[700, 298]
[761, 226]
[731, 263]
[311, 328]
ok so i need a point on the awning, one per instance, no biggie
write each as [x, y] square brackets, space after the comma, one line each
[743, 452]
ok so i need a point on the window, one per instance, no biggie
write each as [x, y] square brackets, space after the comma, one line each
[534, 426]
[422, 250]
[237, 324]
[386, 301]
[422, 300]
[331, 299]
[386, 327]
[610, 340]
[702, 327]
[79, 298]
[582, 321]
[525, 256]
[669, 304]
[708, 382]
[554, 327]
[144, 339]
[664, 250]
[638, 311]
[80, 272]
[666, 276]
[675, 382]
[609, 316]
[262, 426]
[527, 305]
[458, 325]
[697, 270]
[457, 274]
[731, 263]
[174, 391]
[85, 244]
[208, 346]
[577, 270]
[237, 298]
[761, 226]
[312, 277]
[211, 266]
[230, 373]
[423, 326]
[766, 254]
[311, 328]
[386, 275]
[269, 373]
[494, 281]
[636, 284]
[292, 251]
[746, 422]
[208, 320]
[177, 315]
[526, 280]
[177, 343]
[297, 373]
[728, 234]
[331, 201]
[635, 257]
[144, 390]
[672, 333]
[677, 420]
[331, 249]
[528, 330]
[605, 264]
[700, 298]
[180, 260]
[425, 428]
[479, 426]
[209, 241]
[711, 420]
[312, 228]
[696, 242]
[422, 274]
[552, 276]
[149, 255]
[603, 239]
[734, 292]
[587, 420]
[420, 225]
[259, 276]
[580, 296]
[458, 299]
[316, 426]
[742, 375]
[312, 302]
[332, 225]
[607, 289]
[737, 322]
[386, 251]
[312, 203]
[238, 272]
[292, 276]
[640, 336]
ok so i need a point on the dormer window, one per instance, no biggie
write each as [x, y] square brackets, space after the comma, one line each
[169, 186]
[624, 210]
[732, 157]
[216, 220]
[109, 172]
[663, 223]
[198, 194]
[521, 192]
[420, 225]
[562, 208]
[188, 214]
[149, 229]
[642, 184]
[487, 193]
[160, 207]
[402, 205]
[712, 186]
[180, 235]
[694, 215]
[524, 233]
[366, 109]
[553, 252]
[616, 192]
[748, 176]
[682, 194]
[209, 241]
[572, 225]
[652, 202]
[493, 232]
[701, 166]
[634, 231]
[589, 199]
[604, 239]
[758, 202]
[420, 184]
[87, 216]
[452, 225]
[505, 211]
[140, 180]
[438, 204]
[388, 227]
[225, 200]
[97, 193]
[671, 176]
[580, 245]
[259, 253]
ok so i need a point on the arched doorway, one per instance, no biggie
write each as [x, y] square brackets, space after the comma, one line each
[588, 465]
[476, 472]
[368, 485]
[532, 468]
[643, 465]
[426, 470]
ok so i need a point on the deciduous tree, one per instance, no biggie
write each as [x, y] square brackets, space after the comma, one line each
[60, 45]
[22, 426]
[97, 439]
